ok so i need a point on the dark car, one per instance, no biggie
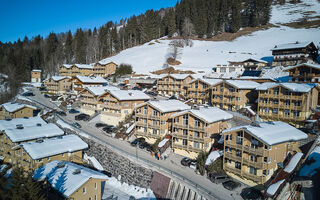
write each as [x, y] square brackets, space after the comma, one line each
[138, 141]
[61, 113]
[308, 131]
[108, 129]
[218, 178]
[27, 94]
[75, 124]
[151, 93]
[46, 96]
[73, 111]
[143, 145]
[230, 185]
[251, 194]
[186, 161]
[99, 125]
[82, 116]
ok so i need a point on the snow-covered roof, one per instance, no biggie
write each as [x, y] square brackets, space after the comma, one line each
[33, 132]
[250, 110]
[62, 176]
[295, 45]
[54, 146]
[208, 114]
[97, 91]
[243, 84]
[26, 122]
[177, 76]
[170, 105]
[294, 87]
[214, 155]
[87, 79]
[36, 70]
[272, 133]
[256, 60]
[81, 66]
[58, 78]
[13, 107]
[130, 128]
[209, 81]
[315, 66]
[163, 142]
[122, 95]
[272, 189]
[293, 162]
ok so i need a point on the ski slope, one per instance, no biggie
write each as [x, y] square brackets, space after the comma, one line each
[203, 55]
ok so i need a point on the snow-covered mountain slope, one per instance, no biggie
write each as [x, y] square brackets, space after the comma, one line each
[203, 55]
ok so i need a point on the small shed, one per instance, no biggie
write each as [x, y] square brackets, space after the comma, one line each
[163, 145]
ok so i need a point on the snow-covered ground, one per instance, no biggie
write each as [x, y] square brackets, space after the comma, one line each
[310, 170]
[204, 55]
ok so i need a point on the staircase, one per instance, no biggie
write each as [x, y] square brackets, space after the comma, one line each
[178, 191]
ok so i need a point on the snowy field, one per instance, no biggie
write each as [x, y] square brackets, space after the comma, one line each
[204, 55]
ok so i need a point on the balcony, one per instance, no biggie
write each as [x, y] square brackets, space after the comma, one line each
[180, 136]
[233, 145]
[141, 124]
[253, 177]
[157, 126]
[253, 150]
[196, 139]
[187, 148]
[141, 115]
[193, 128]
[111, 107]
[88, 101]
[232, 157]
[232, 169]
[248, 162]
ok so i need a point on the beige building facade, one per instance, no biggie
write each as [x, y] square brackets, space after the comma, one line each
[16, 110]
[173, 84]
[57, 84]
[36, 76]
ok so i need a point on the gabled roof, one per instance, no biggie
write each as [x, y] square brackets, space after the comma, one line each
[122, 95]
[315, 66]
[295, 45]
[58, 78]
[97, 91]
[209, 81]
[243, 84]
[294, 87]
[62, 177]
[13, 107]
[80, 66]
[255, 60]
[54, 146]
[87, 79]
[272, 133]
[26, 122]
[33, 132]
[208, 114]
[177, 76]
[170, 105]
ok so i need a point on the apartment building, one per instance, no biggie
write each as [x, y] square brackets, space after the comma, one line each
[57, 84]
[227, 68]
[36, 76]
[173, 84]
[21, 130]
[304, 73]
[233, 94]
[16, 110]
[79, 182]
[250, 64]
[88, 98]
[94, 69]
[116, 105]
[153, 118]
[198, 90]
[252, 153]
[288, 102]
[294, 53]
[34, 154]
[78, 83]
[192, 129]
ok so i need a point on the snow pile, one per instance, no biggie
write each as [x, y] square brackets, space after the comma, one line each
[124, 191]
[272, 189]
[310, 170]
[213, 156]
[293, 162]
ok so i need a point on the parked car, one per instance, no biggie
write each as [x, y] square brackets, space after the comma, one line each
[138, 141]
[27, 94]
[251, 194]
[61, 113]
[82, 116]
[218, 178]
[108, 128]
[46, 96]
[143, 145]
[75, 124]
[230, 185]
[308, 131]
[193, 165]
[73, 111]
[186, 161]
[151, 93]
[99, 125]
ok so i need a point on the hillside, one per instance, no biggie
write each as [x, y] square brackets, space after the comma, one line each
[203, 55]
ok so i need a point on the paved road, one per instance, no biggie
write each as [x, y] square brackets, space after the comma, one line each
[170, 166]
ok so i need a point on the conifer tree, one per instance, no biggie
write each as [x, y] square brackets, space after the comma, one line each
[68, 51]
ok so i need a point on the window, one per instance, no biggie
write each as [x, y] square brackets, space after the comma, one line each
[196, 134]
[287, 113]
[227, 137]
[196, 85]
[177, 119]
[230, 136]
[184, 142]
[238, 165]
[90, 198]
[154, 122]
[275, 101]
[155, 112]
[275, 111]
[84, 190]
[265, 159]
[196, 122]
[238, 153]
[253, 171]
[276, 91]
[154, 131]
[239, 137]
[253, 158]
[162, 122]
[146, 110]
[185, 120]
[238, 99]
[287, 103]
[95, 197]
[185, 132]
[254, 143]
[296, 113]
[196, 145]
[297, 103]
[264, 172]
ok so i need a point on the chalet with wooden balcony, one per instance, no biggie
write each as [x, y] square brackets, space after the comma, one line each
[116, 105]
[76, 69]
[16, 110]
[294, 53]
[174, 84]
[304, 73]
[153, 118]
[251, 64]
[78, 83]
[34, 154]
[88, 98]
[233, 94]
[198, 90]
[57, 84]
[288, 102]
[252, 153]
[104, 69]
[192, 129]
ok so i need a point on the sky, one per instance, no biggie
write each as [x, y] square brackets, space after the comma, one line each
[20, 18]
